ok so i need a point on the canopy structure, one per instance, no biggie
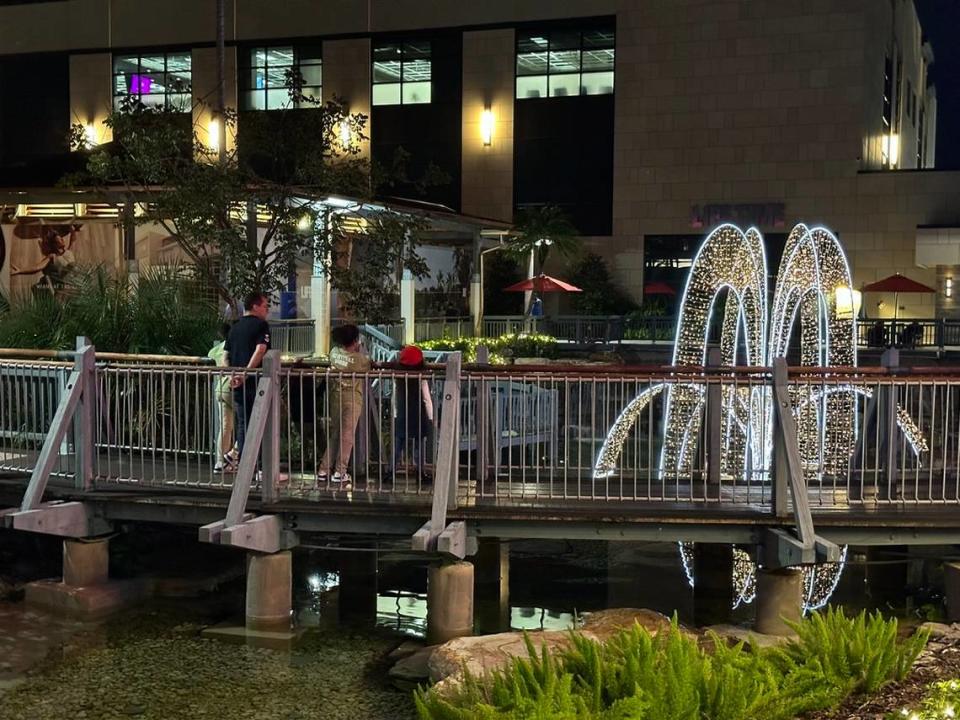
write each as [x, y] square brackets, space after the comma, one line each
[658, 288]
[542, 284]
[897, 284]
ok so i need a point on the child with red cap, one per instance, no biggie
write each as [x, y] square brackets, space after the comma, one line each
[414, 409]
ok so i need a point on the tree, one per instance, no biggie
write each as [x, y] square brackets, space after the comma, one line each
[283, 162]
[541, 230]
[601, 295]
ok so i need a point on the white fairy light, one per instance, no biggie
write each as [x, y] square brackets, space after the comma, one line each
[812, 268]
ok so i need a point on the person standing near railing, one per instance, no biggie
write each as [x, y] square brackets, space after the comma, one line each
[414, 411]
[346, 402]
[223, 401]
[247, 344]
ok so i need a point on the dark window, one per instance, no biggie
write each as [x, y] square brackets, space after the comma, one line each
[561, 62]
[156, 79]
[402, 73]
[34, 123]
[563, 127]
[419, 118]
[270, 74]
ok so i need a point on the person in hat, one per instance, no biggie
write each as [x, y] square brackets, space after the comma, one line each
[413, 406]
[349, 364]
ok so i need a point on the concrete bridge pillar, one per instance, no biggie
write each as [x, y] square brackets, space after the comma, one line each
[492, 592]
[358, 586]
[713, 584]
[269, 591]
[779, 598]
[449, 601]
[86, 590]
[86, 562]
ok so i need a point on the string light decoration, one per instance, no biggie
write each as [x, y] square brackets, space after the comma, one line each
[811, 271]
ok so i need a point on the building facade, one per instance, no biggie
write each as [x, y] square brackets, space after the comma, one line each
[648, 121]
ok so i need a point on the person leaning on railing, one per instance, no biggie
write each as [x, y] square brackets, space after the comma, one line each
[346, 403]
[414, 411]
[246, 346]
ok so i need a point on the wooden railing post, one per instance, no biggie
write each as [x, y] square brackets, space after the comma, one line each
[714, 444]
[448, 446]
[271, 432]
[84, 417]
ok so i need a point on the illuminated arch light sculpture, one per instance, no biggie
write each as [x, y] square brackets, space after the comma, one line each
[812, 269]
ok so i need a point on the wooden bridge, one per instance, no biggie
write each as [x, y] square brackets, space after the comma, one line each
[91, 440]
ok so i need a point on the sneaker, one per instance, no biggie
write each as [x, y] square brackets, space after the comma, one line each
[342, 479]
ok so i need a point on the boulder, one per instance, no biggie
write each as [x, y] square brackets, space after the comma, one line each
[404, 649]
[604, 624]
[481, 654]
[733, 634]
[412, 670]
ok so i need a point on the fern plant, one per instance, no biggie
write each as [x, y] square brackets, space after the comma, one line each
[857, 654]
[668, 676]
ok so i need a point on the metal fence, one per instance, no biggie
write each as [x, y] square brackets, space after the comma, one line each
[292, 337]
[526, 436]
[431, 328]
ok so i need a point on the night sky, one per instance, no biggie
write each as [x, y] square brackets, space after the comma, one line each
[940, 20]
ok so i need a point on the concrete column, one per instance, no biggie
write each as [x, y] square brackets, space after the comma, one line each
[320, 311]
[204, 83]
[951, 583]
[449, 602]
[886, 573]
[346, 75]
[91, 94]
[408, 295]
[476, 304]
[269, 591]
[85, 563]
[492, 592]
[779, 598]
[358, 587]
[713, 586]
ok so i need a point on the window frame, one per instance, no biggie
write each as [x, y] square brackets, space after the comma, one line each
[303, 55]
[417, 57]
[138, 56]
[556, 47]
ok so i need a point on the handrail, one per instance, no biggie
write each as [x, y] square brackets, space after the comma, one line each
[31, 353]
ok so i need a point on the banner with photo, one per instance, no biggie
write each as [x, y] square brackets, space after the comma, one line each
[40, 255]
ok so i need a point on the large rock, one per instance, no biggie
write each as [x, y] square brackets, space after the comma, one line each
[479, 655]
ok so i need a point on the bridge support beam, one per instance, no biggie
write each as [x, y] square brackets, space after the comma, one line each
[713, 590]
[269, 591]
[492, 592]
[449, 601]
[779, 598]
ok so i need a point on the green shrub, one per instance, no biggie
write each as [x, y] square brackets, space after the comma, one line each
[164, 312]
[860, 653]
[638, 676]
[941, 703]
[509, 345]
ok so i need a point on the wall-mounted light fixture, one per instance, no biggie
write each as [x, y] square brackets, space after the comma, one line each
[486, 127]
[948, 287]
[891, 148]
[213, 134]
[848, 302]
[90, 135]
[346, 136]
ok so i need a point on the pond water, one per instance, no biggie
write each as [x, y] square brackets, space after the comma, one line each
[152, 662]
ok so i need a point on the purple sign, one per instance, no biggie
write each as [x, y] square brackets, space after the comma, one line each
[140, 84]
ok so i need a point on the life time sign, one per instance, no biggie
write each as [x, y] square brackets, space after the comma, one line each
[758, 214]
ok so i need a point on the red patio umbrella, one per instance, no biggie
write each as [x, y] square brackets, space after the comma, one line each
[541, 284]
[658, 288]
[897, 284]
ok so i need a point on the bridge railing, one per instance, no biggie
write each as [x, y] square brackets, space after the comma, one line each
[292, 337]
[547, 437]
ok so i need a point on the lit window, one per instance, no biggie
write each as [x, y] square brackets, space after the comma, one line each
[270, 78]
[560, 63]
[156, 80]
[402, 73]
